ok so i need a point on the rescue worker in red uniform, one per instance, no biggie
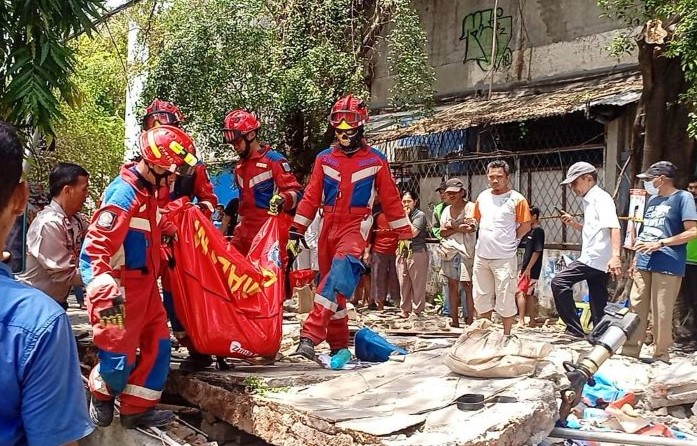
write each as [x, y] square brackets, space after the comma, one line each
[264, 178]
[344, 182]
[119, 264]
[197, 187]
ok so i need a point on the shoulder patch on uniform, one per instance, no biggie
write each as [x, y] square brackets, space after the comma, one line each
[106, 220]
[286, 167]
[275, 156]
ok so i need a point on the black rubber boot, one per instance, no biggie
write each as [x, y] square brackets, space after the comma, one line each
[149, 418]
[195, 362]
[101, 412]
[306, 349]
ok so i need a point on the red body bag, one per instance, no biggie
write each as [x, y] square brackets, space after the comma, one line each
[229, 305]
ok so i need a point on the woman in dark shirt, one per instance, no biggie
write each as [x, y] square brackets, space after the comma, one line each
[412, 259]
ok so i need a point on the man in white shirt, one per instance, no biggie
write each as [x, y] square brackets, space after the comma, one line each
[504, 218]
[600, 249]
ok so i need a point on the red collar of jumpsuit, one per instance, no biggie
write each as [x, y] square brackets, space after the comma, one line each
[343, 188]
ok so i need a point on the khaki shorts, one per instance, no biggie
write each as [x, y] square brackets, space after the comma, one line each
[494, 284]
[458, 268]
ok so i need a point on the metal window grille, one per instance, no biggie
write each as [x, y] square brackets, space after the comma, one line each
[422, 162]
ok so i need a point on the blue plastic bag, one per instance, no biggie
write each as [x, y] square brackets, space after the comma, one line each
[372, 347]
[605, 390]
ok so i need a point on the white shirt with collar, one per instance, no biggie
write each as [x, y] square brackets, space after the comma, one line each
[599, 219]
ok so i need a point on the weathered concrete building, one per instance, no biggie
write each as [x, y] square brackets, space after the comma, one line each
[529, 81]
[536, 40]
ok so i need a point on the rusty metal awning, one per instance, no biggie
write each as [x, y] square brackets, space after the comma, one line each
[520, 106]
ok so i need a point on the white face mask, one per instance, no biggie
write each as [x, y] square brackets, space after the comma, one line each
[650, 187]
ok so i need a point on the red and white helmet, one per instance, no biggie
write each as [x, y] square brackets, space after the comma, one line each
[161, 112]
[238, 123]
[348, 113]
[170, 148]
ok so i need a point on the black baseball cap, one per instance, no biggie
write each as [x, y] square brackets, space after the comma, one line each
[661, 168]
[442, 186]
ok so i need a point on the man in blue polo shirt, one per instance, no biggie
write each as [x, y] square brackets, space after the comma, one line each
[670, 221]
[43, 399]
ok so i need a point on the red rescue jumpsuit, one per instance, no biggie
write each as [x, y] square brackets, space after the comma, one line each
[260, 177]
[121, 256]
[343, 188]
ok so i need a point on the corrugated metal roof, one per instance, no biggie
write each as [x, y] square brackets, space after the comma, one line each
[522, 106]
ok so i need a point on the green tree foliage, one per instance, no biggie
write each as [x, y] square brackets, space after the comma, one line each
[679, 19]
[666, 47]
[36, 60]
[92, 131]
[286, 60]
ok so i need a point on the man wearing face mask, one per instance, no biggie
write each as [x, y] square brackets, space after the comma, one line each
[264, 178]
[670, 221]
[119, 263]
[600, 249]
[344, 182]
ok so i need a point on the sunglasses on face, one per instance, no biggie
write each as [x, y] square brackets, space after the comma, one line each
[349, 133]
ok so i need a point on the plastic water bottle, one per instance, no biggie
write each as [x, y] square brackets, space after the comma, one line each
[340, 359]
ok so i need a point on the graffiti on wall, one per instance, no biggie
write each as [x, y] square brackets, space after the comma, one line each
[478, 34]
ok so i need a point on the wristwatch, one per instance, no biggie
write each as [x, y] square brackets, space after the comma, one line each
[663, 244]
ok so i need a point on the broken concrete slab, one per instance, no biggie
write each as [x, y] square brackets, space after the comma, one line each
[376, 406]
[674, 385]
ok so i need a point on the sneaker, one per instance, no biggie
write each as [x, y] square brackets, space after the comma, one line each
[149, 418]
[372, 306]
[306, 349]
[101, 412]
[195, 362]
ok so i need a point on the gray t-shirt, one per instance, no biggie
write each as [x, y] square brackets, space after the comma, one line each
[419, 220]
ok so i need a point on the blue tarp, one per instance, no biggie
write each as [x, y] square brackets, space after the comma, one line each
[443, 143]
[225, 187]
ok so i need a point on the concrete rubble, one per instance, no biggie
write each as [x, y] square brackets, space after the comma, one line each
[294, 403]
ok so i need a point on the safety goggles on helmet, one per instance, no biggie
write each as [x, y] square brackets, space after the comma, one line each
[158, 118]
[345, 119]
[231, 135]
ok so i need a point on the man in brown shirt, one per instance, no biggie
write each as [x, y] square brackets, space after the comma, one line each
[54, 237]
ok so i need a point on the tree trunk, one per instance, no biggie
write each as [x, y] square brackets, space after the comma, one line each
[665, 117]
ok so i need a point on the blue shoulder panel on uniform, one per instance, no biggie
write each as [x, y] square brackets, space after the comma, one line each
[275, 156]
[375, 151]
[326, 151]
[119, 193]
